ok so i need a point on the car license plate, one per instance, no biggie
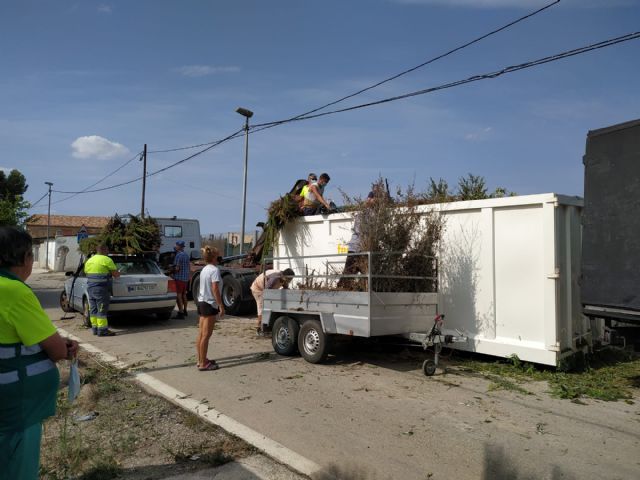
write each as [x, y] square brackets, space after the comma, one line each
[144, 287]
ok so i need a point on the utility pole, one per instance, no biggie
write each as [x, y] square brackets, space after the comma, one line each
[144, 177]
[48, 226]
[247, 114]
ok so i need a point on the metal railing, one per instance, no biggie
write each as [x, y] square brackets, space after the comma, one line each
[364, 274]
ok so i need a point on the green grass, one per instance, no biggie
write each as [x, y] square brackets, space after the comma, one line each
[610, 374]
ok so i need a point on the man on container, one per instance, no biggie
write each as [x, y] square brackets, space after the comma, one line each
[100, 269]
[313, 198]
[182, 271]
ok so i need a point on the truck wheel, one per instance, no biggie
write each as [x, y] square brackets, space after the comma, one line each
[64, 302]
[195, 288]
[231, 295]
[313, 343]
[284, 336]
[86, 316]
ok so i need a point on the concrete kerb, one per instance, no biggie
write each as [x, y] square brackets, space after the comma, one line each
[271, 448]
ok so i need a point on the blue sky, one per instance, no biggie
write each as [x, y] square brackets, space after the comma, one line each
[84, 84]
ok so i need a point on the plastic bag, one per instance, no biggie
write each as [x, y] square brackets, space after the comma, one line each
[74, 380]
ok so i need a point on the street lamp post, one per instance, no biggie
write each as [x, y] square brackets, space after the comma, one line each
[247, 114]
[48, 226]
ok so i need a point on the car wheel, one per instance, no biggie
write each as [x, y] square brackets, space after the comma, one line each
[231, 295]
[313, 343]
[86, 315]
[284, 336]
[64, 302]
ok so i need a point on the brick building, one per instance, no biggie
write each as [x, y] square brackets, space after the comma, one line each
[63, 225]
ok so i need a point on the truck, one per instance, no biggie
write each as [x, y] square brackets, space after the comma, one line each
[610, 286]
[238, 272]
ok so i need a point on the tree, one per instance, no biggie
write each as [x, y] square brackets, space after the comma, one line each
[13, 206]
[472, 187]
[438, 191]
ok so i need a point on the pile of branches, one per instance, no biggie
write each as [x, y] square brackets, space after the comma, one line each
[280, 212]
[128, 235]
[402, 237]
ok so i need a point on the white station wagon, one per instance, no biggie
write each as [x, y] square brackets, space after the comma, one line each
[142, 288]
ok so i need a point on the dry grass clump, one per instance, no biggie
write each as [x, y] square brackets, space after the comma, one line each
[402, 238]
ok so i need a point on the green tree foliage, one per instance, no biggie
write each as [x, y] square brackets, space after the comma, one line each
[129, 235]
[438, 192]
[13, 206]
[472, 187]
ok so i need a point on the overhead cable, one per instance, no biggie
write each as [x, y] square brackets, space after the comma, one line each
[137, 155]
[39, 200]
[212, 145]
[382, 82]
[475, 78]
[412, 69]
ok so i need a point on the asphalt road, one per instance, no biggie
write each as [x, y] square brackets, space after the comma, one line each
[371, 412]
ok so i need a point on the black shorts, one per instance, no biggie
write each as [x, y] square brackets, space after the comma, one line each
[206, 309]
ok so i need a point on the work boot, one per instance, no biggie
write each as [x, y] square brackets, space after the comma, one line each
[185, 313]
[106, 333]
[179, 315]
[94, 330]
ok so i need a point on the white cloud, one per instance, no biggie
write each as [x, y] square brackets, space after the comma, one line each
[105, 8]
[6, 170]
[94, 146]
[478, 134]
[203, 70]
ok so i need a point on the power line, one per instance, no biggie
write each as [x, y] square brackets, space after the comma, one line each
[137, 155]
[175, 164]
[412, 69]
[382, 82]
[475, 78]
[39, 200]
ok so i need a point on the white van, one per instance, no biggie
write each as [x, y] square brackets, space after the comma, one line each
[185, 229]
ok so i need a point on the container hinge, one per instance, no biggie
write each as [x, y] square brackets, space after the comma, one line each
[554, 348]
[555, 275]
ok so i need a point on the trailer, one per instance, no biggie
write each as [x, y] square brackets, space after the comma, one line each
[508, 279]
[308, 318]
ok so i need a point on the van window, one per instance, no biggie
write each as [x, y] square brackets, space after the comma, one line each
[172, 231]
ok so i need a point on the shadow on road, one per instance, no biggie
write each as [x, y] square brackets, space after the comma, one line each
[230, 361]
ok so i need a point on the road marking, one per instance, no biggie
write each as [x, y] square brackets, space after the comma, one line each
[275, 450]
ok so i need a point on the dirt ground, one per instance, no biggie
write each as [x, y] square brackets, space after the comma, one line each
[117, 429]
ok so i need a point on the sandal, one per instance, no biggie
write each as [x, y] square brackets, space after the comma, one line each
[209, 366]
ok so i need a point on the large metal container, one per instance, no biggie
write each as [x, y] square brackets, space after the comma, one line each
[611, 239]
[508, 271]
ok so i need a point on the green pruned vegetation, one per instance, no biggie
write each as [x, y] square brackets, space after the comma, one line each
[130, 235]
[610, 374]
[280, 212]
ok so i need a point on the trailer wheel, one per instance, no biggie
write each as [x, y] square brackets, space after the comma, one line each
[231, 295]
[64, 302]
[429, 368]
[313, 342]
[284, 336]
[86, 315]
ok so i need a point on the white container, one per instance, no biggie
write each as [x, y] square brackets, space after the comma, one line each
[508, 271]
